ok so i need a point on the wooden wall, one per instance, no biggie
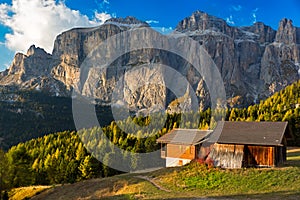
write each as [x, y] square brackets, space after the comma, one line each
[280, 155]
[237, 156]
[231, 155]
[181, 151]
[228, 155]
[259, 156]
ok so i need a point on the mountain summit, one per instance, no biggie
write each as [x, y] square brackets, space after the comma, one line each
[130, 20]
[201, 21]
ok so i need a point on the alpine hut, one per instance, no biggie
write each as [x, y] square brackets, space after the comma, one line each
[249, 144]
[181, 146]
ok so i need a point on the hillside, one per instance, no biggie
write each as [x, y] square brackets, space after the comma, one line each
[28, 114]
[189, 182]
[61, 158]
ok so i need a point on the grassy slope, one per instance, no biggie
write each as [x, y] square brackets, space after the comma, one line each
[26, 192]
[189, 182]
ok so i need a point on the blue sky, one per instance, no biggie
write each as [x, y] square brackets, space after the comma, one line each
[26, 22]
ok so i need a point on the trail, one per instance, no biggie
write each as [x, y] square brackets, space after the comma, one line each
[153, 183]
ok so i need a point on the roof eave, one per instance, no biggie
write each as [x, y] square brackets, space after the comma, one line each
[255, 144]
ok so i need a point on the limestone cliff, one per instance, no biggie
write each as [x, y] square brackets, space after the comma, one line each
[32, 71]
[254, 62]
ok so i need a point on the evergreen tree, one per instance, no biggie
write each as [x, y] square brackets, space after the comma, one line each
[90, 168]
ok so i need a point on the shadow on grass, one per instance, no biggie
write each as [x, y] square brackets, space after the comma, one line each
[291, 163]
[293, 154]
[286, 195]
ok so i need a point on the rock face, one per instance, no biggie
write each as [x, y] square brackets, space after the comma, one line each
[72, 47]
[32, 71]
[280, 61]
[200, 21]
[286, 33]
[254, 62]
[24, 67]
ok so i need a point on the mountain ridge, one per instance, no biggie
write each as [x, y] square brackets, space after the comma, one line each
[254, 61]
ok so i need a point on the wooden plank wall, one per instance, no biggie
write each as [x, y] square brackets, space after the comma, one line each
[181, 151]
[228, 155]
[259, 156]
[237, 156]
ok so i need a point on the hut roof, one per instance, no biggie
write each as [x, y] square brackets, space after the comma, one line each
[184, 136]
[255, 133]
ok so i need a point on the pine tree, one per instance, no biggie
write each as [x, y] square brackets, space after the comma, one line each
[89, 168]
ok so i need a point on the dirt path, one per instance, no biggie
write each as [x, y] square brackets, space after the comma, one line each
[153, 183]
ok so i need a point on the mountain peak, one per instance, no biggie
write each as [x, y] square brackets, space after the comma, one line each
[129, 20]
[200, 20]
[199, 12]
[33, 50]
[285, 21]
[286, 32]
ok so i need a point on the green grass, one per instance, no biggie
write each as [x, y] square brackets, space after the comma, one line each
[205, 181]
[191, 181]
[293, 154]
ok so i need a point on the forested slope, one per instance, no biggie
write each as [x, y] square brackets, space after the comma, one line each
[62, 157]
[31, 114]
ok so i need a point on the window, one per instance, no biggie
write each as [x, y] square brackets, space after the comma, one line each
[180, 162]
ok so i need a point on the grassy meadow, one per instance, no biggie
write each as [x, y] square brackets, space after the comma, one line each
[188, 182]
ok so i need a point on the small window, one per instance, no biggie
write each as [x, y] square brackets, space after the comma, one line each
[180, 162]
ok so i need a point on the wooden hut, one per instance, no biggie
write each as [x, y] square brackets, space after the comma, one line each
[249, 144]
[181, 146]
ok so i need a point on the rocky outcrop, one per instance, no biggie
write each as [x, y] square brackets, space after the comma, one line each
[280, 61]
[32, 71]
[26, 66]
[128, 22]
[264, 34]
[200, 21]
[72, 47]
[286, 33]
[254, 62]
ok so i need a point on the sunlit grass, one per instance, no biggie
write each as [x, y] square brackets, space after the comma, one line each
[26, 192]
[293, 154]
[191, 181]
[206, 181]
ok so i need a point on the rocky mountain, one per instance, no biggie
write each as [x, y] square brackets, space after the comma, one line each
[254, 62]
[33, 71]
